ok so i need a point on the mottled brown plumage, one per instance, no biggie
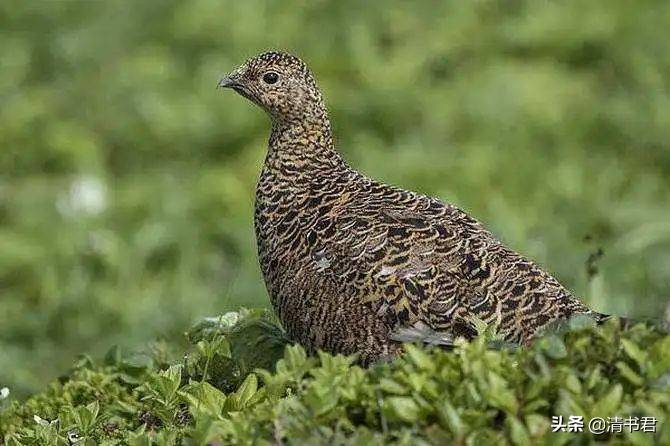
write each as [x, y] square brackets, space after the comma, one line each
[349, 262]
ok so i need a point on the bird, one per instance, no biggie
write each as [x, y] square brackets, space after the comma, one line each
[355, 266]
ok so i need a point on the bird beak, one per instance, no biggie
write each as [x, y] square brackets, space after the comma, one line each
[232, 80]
[227, 82]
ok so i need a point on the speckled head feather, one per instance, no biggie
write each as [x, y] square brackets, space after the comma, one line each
[353, 265]
[280, 83]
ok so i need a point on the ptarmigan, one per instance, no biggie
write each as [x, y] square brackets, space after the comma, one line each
[350, 262]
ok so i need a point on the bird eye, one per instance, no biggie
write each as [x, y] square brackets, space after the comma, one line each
[270, 77]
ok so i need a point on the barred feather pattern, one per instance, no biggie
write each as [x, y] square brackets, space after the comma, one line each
[349, 261]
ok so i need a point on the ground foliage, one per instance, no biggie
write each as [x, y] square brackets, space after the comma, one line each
[230, 390]
[126, 179]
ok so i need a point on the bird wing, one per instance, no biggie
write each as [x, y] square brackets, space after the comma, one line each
[390, 254]
[419, 261]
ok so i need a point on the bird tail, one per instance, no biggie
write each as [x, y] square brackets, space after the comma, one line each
[625, 322]
[600, 317]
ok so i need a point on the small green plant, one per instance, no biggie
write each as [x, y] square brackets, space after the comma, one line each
[477, 393]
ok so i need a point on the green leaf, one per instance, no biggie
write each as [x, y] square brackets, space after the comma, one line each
[169, 381]
[203, 397]
[635, 353]
[518, 433]
[450, 417]
[572, 383]
[247, 389]
[609, 404]
[554, 347]
[113, 356]
[537, 425]
[294, 359]
[321, 398]
[594, 377]
[629, 374]
[500, 395]
[140, 439]
[392, 386]
[567, 405]
[404, 408]
[244, 394]
[420, 358]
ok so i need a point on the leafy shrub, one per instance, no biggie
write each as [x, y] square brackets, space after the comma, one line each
[548, 121]
[471, 395]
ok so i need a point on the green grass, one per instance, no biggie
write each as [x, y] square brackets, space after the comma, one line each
[126, 179]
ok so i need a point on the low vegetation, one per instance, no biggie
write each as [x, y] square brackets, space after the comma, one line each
[241, 382]
[127, 181]
[126, 209]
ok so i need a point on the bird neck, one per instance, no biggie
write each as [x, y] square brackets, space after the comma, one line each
[302, 145]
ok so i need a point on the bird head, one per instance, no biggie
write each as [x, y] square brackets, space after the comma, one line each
[280, 83]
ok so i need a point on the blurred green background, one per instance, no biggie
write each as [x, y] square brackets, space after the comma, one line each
[127, 179]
